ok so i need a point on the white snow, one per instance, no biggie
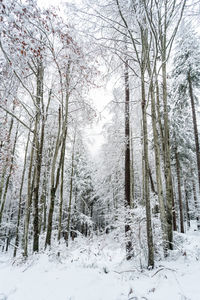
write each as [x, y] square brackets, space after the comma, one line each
[95, 269]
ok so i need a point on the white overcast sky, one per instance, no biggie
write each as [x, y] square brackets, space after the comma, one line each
[46, 3]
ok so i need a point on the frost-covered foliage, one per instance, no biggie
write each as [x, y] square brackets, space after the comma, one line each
[45, 74]
[186, 63]
[55, 198]
[185, 71]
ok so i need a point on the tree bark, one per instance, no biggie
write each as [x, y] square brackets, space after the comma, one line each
[146, 166]
[196, 135]
[39, 149]
[158, 171]
[6, 163]
[29, 200]
[70, 194]
[187, 205]
[129, 246]
[9, 175]
[169, 187]
[161, 131]
[20, 199]
[195, 202]
[53, 187]
[60, 141]
[179, 192]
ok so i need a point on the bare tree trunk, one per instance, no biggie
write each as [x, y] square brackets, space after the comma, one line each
[53, 184]
[9, 175]
[187, 205]
[42, 205]
[6, 163]
[169, 187]
[146, 163]
[196, 136]
[195, 202]
[44, 196]
[163, 150]
[61, 141]
[39, 149]
[9, 219]
[55, 181]
[132, 173]
[20, 198]
[152, 182]
[29, 200]
[179, 191]
[129, 246]
[158, 105]
[158, 171]
[70, 194]
[61, 202]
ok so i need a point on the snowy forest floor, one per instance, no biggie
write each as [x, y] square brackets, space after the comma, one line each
[95, 269]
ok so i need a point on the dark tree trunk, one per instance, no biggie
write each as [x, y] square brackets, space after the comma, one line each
[179, 192]
[39, 150]
[20, 199]
[152, 183]
[196, 136]
[187, 206]
[129, 247]
[167, 162]
[9, 175]
[195, 202]
[71, 193]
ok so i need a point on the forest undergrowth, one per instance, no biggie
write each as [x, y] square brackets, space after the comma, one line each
[96, 268]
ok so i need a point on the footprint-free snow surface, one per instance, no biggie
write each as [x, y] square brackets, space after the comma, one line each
[95, 269]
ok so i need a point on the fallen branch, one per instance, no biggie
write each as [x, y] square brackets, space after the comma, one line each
[161, 270]
[126, 271]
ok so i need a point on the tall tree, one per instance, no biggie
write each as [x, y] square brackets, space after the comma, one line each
[186, 76]
[129, 247]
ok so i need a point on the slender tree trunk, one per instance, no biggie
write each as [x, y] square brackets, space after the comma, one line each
[61, 140]
[179, 192]
[9, 175]
[42, 227]
[174, 212]
[29, 200]
[39, 149]
[129, 246]
[152, 182]
[158, 172]
[70, 194]
[56, 179]
[9, 219]
[61, 202]
[53, 187]
[36, 191]
[159, 119]
[169, 187]
[196, 136]
[6, 163]
[44, 196]
[187, 205]
[132, 173]
[162, 139]
[195, 202]
[146, 173]
[20, 198]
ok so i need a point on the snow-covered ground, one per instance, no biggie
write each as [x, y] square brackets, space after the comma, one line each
[96, 270]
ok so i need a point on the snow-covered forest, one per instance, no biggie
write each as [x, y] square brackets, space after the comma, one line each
[100, 150]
